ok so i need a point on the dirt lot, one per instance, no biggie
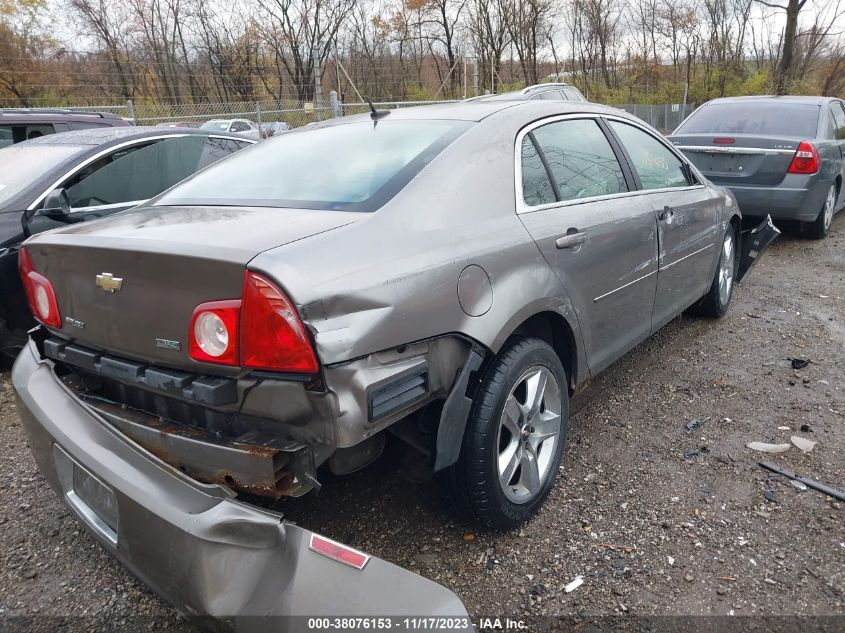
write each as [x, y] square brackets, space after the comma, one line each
[653, 532]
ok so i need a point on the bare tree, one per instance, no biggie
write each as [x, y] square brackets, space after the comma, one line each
[302, 33]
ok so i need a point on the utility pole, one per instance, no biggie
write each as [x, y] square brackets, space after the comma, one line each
[318, 97]
[475, 78]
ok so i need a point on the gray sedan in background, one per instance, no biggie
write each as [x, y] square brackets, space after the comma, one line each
[450, 274]
[778, 155]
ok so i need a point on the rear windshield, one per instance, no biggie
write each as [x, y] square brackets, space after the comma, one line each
[347, 167]
[754, 117]
[23, 164]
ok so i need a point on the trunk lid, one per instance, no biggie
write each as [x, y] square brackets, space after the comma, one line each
[169, 260]
[739, 159]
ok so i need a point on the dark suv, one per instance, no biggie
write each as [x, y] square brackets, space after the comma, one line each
[22, 124]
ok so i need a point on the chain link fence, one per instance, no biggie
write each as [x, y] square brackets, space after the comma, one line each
[665, 117]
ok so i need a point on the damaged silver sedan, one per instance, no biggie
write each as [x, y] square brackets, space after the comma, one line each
[449, 274]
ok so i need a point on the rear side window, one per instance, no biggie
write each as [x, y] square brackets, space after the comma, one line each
[536, 185]
[573, 95]
[580, 159]
[754, 117]
[350, 167]
[138, 173]
[656, 164]
[838, 112]
[10, 134]
[87, 125]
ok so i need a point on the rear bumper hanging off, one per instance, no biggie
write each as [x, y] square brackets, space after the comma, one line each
[200, 548]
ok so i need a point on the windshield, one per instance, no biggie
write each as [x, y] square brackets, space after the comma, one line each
[215, 125]
[754, 117]
[22, 164]
[351, 167]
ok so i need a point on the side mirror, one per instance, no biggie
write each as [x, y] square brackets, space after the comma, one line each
[55, 204]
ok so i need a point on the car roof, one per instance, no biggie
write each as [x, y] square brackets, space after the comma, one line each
[480, 110]
[59, 114]
[100, 136]
[808, 100]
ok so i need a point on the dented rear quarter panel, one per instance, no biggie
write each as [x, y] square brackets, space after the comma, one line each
[391, 277]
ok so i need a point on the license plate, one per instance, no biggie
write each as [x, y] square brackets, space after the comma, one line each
[92, 499]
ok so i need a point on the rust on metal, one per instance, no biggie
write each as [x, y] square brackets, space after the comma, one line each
[255, 468]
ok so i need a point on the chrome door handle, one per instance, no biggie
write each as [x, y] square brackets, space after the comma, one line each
[571, 239]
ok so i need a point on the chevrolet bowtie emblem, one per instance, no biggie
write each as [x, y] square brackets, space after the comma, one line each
[109, 282]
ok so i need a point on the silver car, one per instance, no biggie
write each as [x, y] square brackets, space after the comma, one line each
[451, 274]
[783, 156]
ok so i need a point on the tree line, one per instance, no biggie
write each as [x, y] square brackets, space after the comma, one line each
[195, 51]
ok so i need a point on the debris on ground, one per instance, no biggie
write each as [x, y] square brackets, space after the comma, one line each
[770, 496]
[767, 448]
[579, 580]
[803, 443]
[798, 485]
[810, 483]
[799, 363]
[692, 425]
[695, 452]
[805, 428]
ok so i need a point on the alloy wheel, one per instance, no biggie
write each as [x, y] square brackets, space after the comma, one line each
[529, 431]
[726, 269]
[829, 204]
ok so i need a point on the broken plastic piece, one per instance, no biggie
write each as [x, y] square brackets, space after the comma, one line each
[579, 580]
[770, 496]
[798, 485]
[803, 443]
[799, 363]
[767, 448]
[692, 425]
[754, 242]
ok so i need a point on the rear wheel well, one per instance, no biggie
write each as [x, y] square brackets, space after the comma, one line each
[552, 328]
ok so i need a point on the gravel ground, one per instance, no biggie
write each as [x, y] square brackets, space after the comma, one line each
[652, 531]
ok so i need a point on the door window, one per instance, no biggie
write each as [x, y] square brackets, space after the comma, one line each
[142, 171]
[536, 185]
[838, 120]
[657, 166]
[240, 126]
[581, 161]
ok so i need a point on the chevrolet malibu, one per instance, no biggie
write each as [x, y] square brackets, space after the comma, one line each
[450, 274]
[783, 156]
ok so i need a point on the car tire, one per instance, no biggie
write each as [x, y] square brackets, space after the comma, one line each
[716, 302]
[518, 422]
[820, 227]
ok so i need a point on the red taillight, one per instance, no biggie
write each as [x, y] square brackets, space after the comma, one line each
[39, 292]
[806, 159]
[338, 551]
[724, 141]
[213, 337]
[260, 331]
[272, 336]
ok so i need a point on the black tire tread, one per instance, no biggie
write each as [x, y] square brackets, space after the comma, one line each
[710, 305]
[476, 505]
